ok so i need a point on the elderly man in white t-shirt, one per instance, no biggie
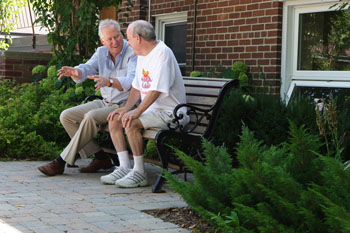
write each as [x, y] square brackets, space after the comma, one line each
[159, 84]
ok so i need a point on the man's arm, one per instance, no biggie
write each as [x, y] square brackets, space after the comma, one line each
[126, 81]
[68, 71]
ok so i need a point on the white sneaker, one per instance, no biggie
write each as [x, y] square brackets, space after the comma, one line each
[118, 173]
[133, 179]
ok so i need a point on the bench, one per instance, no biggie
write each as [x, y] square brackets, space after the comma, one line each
[204, 97]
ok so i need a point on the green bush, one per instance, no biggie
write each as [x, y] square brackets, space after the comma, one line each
[285, 188]
[29, 117]
[266, 115]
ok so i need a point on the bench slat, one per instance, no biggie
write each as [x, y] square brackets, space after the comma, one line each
[150, 133]
[202, 91]
[202, 100]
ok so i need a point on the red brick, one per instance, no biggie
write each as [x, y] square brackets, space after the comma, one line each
[12, 61]
[21, 68]
[227, 50]
[239, 21]
[258, 13]
[238, 49]
[257, 27]
[233, 56]
[221, 30]
[271, 69]
[217, 24]
[245, 28]
[216, 50]
[252, 7]
[240, 8]
[271, 26]
[265, 5]
[246, 14]
[252, 21]
[222, 56]
[272, 41]
[257, 55]
[257, 41]
[232, 43]
[251, 49]
[264, 48]
[270, 55]
[245, 42]
[272, 12]
[6, 67]
[210, 56]
[223, 17]
[263, 62]
[263, 20]
[223, 4]
[12, 73]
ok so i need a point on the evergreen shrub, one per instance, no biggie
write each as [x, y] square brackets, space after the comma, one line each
[266, 115]
[291, 187]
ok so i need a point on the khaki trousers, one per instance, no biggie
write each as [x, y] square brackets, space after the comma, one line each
[82, 123]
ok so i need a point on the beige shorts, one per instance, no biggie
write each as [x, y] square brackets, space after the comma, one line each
[156, 119]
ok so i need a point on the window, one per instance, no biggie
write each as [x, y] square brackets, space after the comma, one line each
[315, 47]
[171, 28]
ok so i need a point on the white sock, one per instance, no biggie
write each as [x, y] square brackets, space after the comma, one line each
[139, 164]
[124, 160]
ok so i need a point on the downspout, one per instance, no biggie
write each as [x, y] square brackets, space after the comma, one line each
[149, 11]
[194, 34]
[31, 20]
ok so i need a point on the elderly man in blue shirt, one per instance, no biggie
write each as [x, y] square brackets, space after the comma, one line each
[112, 67]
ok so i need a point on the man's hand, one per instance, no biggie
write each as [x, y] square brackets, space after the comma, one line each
[117, 114]
[100, 81]
[128, 117]
[69, 72]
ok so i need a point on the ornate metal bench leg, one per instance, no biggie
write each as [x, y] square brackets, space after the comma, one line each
[157, 187]
[163, 151]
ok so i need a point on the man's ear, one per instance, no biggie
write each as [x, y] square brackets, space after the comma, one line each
[138, 38]
[102, 41]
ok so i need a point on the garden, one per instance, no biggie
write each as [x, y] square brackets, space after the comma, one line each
[281, 167]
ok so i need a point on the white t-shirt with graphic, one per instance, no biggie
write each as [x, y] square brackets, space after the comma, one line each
[159, 71]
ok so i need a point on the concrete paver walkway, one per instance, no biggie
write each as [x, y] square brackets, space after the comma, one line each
[79, 203]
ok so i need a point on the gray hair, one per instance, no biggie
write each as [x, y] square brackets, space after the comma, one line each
[107, 23]
[143, 29]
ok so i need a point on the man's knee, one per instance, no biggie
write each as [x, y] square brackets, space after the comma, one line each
[135, 127]
[65, 115]
[114, 125]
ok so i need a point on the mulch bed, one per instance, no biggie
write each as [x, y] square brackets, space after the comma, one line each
[183, 217]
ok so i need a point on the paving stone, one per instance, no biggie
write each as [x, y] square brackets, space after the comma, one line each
[77, 202]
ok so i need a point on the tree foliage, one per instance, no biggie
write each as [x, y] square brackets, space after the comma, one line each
[9, 10]
[72, 26]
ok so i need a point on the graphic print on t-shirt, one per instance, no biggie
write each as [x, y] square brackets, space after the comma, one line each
[146, 80]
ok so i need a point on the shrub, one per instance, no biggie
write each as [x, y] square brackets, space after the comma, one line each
[29, 122]
[286, 188]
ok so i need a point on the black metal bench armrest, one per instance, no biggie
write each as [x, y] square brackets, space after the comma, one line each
[211, 114]
[92, 97]
[191, 110]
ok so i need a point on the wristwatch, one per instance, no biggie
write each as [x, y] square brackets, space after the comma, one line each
[111, 81]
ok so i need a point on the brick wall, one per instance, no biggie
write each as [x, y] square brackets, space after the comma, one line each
[18, 66]
[227, 31]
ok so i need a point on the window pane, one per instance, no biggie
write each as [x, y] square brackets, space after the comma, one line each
[175, 38]
[342, 95]
[324, 41]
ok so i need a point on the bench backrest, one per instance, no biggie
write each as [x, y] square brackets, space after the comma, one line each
[204, 92]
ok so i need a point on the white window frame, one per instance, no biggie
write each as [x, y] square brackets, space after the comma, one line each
[290, 76]
[164, 19]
